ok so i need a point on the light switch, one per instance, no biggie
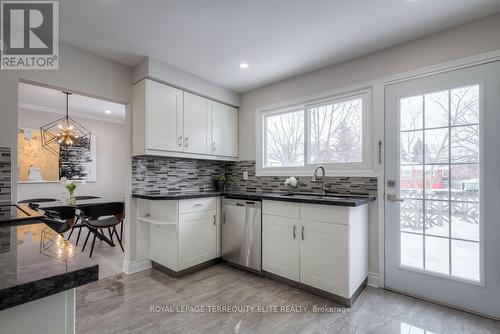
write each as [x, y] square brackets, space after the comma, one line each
[245, 175]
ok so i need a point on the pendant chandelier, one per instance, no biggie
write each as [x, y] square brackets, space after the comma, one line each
[65, 134]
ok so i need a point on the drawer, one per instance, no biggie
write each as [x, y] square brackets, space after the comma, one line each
[325, 213]
[281, 209]
[197, 204]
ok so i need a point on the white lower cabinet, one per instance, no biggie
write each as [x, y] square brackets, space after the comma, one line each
[179, 234]
[327, 251]
[323, 256]
[280, 246]
[197, 238]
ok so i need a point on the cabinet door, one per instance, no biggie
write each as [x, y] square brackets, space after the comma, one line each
[164, 107]
[197, 238]
[323, 256]
[280, 246]
[197, 124]
[224, 130]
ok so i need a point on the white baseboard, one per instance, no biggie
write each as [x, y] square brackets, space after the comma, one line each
[135, 266]
[373, 280]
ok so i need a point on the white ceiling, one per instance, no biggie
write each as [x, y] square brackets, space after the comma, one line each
[278, 38]
[38, 98]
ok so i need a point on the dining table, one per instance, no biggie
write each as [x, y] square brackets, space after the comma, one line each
[78, 203]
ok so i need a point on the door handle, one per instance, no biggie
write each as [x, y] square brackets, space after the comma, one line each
[294, 232]
[302, 232]
[394, 198]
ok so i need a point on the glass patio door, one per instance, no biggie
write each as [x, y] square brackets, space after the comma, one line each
[435, 180]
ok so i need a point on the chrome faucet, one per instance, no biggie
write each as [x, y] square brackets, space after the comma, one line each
[323, 177]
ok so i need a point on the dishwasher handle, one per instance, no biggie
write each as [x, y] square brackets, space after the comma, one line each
[241, 203]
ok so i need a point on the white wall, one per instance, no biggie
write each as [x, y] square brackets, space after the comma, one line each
[460, 42]
[173, 76]
[112, 159]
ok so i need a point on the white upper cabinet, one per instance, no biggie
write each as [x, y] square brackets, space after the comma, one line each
[197, 124]
[224, 130]
[157, 117]
[164, 118]
[167, 121]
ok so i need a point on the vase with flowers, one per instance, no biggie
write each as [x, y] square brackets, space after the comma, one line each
[291, 183]
[71, 186]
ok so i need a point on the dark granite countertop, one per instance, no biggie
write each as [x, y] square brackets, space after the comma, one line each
[329, 199]
[27, 275]
[13, 213]
[155, 195]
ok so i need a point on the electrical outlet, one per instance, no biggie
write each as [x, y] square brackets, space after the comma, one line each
[245, 175]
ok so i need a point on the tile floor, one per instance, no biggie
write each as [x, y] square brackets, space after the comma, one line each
[109, 259]
[122, 304]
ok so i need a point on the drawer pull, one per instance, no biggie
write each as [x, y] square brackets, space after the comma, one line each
[197, 205]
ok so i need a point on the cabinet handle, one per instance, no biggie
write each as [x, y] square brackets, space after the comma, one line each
[224, 218]
[180, 141]
[197, 205]
[186, 142]
[215, 221]
[294, 231]
[213, 146]
[302, 230]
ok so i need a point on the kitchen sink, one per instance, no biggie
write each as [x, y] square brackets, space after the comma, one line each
[315, 196]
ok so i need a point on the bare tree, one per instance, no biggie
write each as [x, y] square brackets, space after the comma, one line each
[285, 139]
[464, 139]
[335, 132]
[459, 112]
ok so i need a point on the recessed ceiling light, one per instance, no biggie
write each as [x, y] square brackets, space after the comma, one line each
[107, 111]
[244, 65]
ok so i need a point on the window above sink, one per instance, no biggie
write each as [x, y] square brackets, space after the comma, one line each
[333, 131]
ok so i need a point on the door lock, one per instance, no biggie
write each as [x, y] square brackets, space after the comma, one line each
[394, 198]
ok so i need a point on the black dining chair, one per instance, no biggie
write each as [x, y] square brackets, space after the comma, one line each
[61, 218]
[78, 224]
[98, 217]
[38, 200]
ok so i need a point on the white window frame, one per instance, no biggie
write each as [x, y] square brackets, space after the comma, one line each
[364, 168]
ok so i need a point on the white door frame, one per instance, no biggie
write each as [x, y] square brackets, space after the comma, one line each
[483, 298]
[379, 104]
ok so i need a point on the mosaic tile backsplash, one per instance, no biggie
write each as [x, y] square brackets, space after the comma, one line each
[5, 174]
[365, 186]
[174, 174]
[177, 174]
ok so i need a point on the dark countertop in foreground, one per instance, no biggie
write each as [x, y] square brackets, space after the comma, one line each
[27, 275]
[330, 199]
[15, 213]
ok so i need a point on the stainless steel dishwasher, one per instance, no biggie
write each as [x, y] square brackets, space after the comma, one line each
[242, 233]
